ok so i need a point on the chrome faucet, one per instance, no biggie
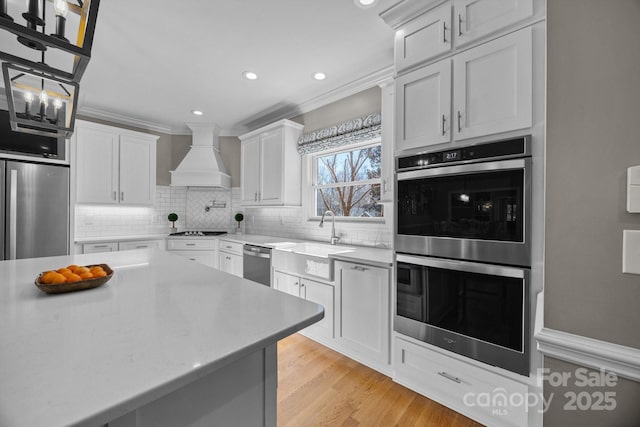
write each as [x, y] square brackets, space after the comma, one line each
[334, 238]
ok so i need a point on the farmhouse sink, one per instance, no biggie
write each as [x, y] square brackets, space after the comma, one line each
[308, 259]
[320, 250]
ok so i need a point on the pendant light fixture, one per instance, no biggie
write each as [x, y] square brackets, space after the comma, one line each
[41, 98]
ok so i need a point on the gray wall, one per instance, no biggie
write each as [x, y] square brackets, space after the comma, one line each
[593, 108]
[351, 107]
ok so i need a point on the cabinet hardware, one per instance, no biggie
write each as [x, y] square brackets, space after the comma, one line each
[358, 268]
[141, 246]
[459, 25]
[444, 31]
[189, 244]
[255, 196]
[101, 246]
[192, 259]
[444, 119]
[227, 258]
[450, 377]
[122, 196]
[459, 121]
[259, 195]
[115, 195]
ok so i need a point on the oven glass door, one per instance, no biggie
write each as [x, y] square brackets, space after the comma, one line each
[476, 301]
[458, 203]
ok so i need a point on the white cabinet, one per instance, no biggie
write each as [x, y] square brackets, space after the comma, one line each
[94, 248]
[139, 244]
[459, 385]
[230, 258]
[201, 251]
[492, 92]
[474, 19]
[271, 165]
[423, 106]
[314, 291]
[364, 321]
[452, 25]
[423, 38]
[113, 165]
[492, 86]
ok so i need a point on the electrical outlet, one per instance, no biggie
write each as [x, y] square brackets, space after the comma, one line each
[631, 251]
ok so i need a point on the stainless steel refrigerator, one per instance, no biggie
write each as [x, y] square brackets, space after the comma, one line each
[34, 209]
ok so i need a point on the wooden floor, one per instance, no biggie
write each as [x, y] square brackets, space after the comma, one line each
[320, 387]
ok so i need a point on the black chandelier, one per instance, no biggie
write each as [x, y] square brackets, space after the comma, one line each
[42, 98]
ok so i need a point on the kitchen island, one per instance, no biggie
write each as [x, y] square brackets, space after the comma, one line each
[166, 342]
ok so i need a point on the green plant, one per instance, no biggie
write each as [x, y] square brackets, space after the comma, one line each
[239, 217]
[173, 218]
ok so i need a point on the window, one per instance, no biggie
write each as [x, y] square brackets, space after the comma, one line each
[348, 182]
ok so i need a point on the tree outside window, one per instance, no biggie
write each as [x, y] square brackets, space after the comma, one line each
[348, 182]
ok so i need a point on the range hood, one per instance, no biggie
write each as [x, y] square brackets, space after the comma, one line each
[202, 166]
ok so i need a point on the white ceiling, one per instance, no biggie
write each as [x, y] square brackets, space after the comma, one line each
[153, 61]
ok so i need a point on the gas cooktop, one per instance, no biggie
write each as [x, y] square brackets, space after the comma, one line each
[196, 233]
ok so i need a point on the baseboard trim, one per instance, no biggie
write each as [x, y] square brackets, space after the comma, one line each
[621, 360]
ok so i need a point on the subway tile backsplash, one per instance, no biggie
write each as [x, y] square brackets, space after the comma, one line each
[190, 204]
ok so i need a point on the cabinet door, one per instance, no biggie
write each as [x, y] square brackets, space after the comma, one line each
[364, 311]
[250, 173]
[96, 165]
[230, 263]
[493, 86]
[271, 167]
[476, 18]
[286, 283]
[202, 257]
[94, 248]
[423, 38]
[423, 106]
[323, 294]
[137, 164]
[139, 244]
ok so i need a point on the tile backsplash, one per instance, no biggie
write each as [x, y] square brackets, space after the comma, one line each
[190, 204]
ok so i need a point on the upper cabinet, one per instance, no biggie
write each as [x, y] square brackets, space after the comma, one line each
[271, 165]
[480, 91]
[453, 24]
[113, 165]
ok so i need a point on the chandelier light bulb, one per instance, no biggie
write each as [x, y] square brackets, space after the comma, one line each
[28, 97]
[61, 7]
[57, 103]
[44, 98]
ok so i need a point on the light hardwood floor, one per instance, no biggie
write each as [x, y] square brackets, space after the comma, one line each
[320, 387]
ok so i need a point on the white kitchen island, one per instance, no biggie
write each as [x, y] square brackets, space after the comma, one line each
[166, 342]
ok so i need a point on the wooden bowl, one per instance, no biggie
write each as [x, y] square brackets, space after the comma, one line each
[76, 286]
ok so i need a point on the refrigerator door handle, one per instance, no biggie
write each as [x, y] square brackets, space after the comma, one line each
[13, 213]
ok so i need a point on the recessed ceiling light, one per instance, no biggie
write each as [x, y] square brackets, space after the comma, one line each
[250, 75]
[319, 76]
[365, 3]
[197, 112]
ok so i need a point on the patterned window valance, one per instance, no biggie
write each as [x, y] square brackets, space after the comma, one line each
[351, 132]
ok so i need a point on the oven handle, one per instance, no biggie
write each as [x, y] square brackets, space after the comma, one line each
[465, 169]
[466, 266]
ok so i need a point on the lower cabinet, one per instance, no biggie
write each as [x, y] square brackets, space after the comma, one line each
[230, 258]
[364, 321]
[487, 397]
[94, 248]
[314, 291]
[201, 251]
[357, 319]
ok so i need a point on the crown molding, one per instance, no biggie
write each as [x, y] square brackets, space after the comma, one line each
[380, 77]
[621, 360]
[406, 10]
[130, 121]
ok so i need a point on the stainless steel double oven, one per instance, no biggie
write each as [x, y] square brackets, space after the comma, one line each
[463, 250]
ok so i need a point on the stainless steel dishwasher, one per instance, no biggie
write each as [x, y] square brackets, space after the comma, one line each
[257, 264]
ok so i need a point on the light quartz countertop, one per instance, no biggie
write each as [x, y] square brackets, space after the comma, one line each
[162, 321]
[360, 254]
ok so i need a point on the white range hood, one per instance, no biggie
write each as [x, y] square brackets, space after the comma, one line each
[202, 166]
